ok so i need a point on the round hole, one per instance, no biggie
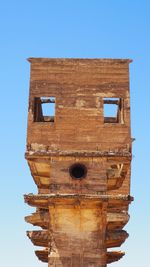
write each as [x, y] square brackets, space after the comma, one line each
[78, 171]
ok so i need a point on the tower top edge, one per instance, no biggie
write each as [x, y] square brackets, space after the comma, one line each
[80, 60]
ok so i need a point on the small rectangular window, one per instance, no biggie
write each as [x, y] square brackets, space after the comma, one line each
[112, 108]
[44, 109]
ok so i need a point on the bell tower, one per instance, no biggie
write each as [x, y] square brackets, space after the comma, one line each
[79, 153]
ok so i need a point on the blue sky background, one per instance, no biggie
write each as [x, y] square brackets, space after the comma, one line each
[77, 28]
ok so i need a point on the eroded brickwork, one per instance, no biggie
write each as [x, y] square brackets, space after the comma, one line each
[79, 153]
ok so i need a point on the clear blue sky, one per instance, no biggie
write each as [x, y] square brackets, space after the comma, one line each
[77, 28]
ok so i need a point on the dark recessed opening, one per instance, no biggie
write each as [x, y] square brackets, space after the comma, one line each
[78, 171]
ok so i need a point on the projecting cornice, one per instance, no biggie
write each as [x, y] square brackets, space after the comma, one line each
[80, 60]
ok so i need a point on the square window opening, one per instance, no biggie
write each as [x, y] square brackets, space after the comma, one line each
[44, 109]
[113, 112]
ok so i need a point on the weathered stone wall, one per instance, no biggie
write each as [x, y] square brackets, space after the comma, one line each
[80, 87]
[77, 233]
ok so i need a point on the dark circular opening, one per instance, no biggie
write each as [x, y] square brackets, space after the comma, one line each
[78, 171]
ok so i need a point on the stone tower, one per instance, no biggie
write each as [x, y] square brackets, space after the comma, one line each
[79, 153]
